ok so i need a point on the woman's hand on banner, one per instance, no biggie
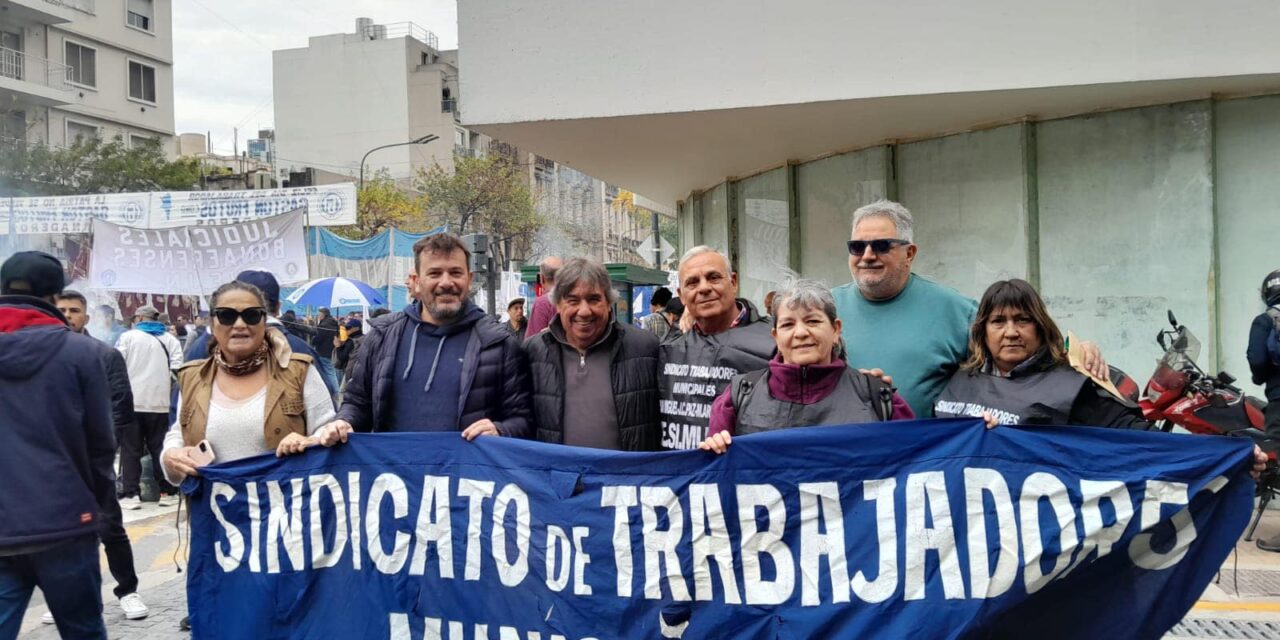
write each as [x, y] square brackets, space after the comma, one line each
[293, 443]
[1260, 460]
[989, 419]
[718, 442]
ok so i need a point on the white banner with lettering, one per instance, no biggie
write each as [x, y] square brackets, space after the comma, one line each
[326, 205]
[323, 206]
[195, 260]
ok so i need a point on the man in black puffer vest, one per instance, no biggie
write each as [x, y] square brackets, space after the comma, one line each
[595, 380]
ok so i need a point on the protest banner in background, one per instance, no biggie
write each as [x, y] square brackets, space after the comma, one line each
[74, 214]
[325, 205]
[921, 529]
[195, 260]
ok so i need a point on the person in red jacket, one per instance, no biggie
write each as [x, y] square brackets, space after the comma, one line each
[544, 310]
[807, 383]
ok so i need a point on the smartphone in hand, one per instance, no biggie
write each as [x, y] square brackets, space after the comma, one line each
[203, 454]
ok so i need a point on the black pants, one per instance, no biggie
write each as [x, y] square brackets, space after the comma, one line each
[119, 551]
[145, 435]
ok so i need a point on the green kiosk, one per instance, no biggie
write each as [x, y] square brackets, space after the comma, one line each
[625, 278]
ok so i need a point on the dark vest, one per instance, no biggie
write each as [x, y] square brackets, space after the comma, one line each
[849, 403]
[1042, 397]
[695, 368]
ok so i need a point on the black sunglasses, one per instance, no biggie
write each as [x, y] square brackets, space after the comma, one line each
[883, 245]
[227, 316]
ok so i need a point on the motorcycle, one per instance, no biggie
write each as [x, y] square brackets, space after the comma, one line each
[1181, 393]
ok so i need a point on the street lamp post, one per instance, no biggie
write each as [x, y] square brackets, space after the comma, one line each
[423, 140]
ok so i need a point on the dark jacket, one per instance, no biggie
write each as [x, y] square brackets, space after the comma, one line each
[56, 442]
[495, 378]
[633, 374]
[801, 385]
[326, 331]
[118, 381]
[342, 353]
[1264, 372]
[1038, 391]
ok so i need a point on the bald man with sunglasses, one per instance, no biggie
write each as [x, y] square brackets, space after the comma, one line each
[913, 328]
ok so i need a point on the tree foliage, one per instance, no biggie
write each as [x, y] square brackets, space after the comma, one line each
[94, 165]
[382, 204]
[488, 194]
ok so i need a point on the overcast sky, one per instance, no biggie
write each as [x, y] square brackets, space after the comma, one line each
[222, 52]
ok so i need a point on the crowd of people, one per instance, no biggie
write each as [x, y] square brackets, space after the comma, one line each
[889, 345]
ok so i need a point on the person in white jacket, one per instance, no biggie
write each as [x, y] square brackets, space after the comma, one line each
[151, 354]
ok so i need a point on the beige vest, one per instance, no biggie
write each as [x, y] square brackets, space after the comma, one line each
[285, 408]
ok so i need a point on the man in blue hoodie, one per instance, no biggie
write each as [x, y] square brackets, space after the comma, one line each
[442, 364]
[56, 454]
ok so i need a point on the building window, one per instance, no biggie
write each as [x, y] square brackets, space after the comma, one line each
[138, 14]
[142, 82]
[13, 127]
[136, 141]
[79, 130]
[83, 62]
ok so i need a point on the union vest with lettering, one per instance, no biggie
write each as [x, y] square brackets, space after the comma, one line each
[1032, 397]
[695, 368]
[849, 403]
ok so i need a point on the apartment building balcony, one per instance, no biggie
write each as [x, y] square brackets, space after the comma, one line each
[34, 80]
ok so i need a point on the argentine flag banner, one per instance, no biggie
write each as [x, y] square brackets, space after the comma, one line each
[926, 529]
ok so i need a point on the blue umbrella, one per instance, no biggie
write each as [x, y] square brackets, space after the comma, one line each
[336, 292]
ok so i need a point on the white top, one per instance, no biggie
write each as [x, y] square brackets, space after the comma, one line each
[144, 357]
[234, 429]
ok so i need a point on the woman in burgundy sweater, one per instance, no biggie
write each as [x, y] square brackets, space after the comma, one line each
[807, 383]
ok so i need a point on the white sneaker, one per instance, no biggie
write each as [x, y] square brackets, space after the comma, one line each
[132, 503]
[133, 606]
[47, 618]
[166, 500]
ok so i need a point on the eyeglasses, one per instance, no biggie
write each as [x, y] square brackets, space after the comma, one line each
[227, 316]
[883, 245]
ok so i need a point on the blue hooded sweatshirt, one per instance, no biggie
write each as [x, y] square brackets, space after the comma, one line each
[426, 390]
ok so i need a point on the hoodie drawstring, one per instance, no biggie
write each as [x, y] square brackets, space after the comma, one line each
[435, 363]
[413, 349]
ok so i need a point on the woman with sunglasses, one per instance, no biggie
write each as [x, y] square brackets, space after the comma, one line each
[807, 383]
[250, 396]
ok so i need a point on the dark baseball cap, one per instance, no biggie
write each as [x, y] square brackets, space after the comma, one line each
[33, 273]
[353, 323]
[264, 281]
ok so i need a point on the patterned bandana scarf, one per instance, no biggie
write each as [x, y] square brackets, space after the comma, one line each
[244, 367]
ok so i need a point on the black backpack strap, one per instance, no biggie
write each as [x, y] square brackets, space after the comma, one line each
[743, 385]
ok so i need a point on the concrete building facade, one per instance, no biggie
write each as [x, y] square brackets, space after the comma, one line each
[1118, 154]
[346, 94]
[71, 68]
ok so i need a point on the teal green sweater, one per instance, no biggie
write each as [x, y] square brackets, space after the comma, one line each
[919, 337]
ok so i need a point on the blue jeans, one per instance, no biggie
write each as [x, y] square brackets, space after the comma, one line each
[71, 580]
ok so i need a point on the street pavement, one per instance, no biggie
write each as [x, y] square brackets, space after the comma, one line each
[1242, 604]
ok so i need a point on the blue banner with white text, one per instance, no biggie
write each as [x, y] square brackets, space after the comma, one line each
[938, 529]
